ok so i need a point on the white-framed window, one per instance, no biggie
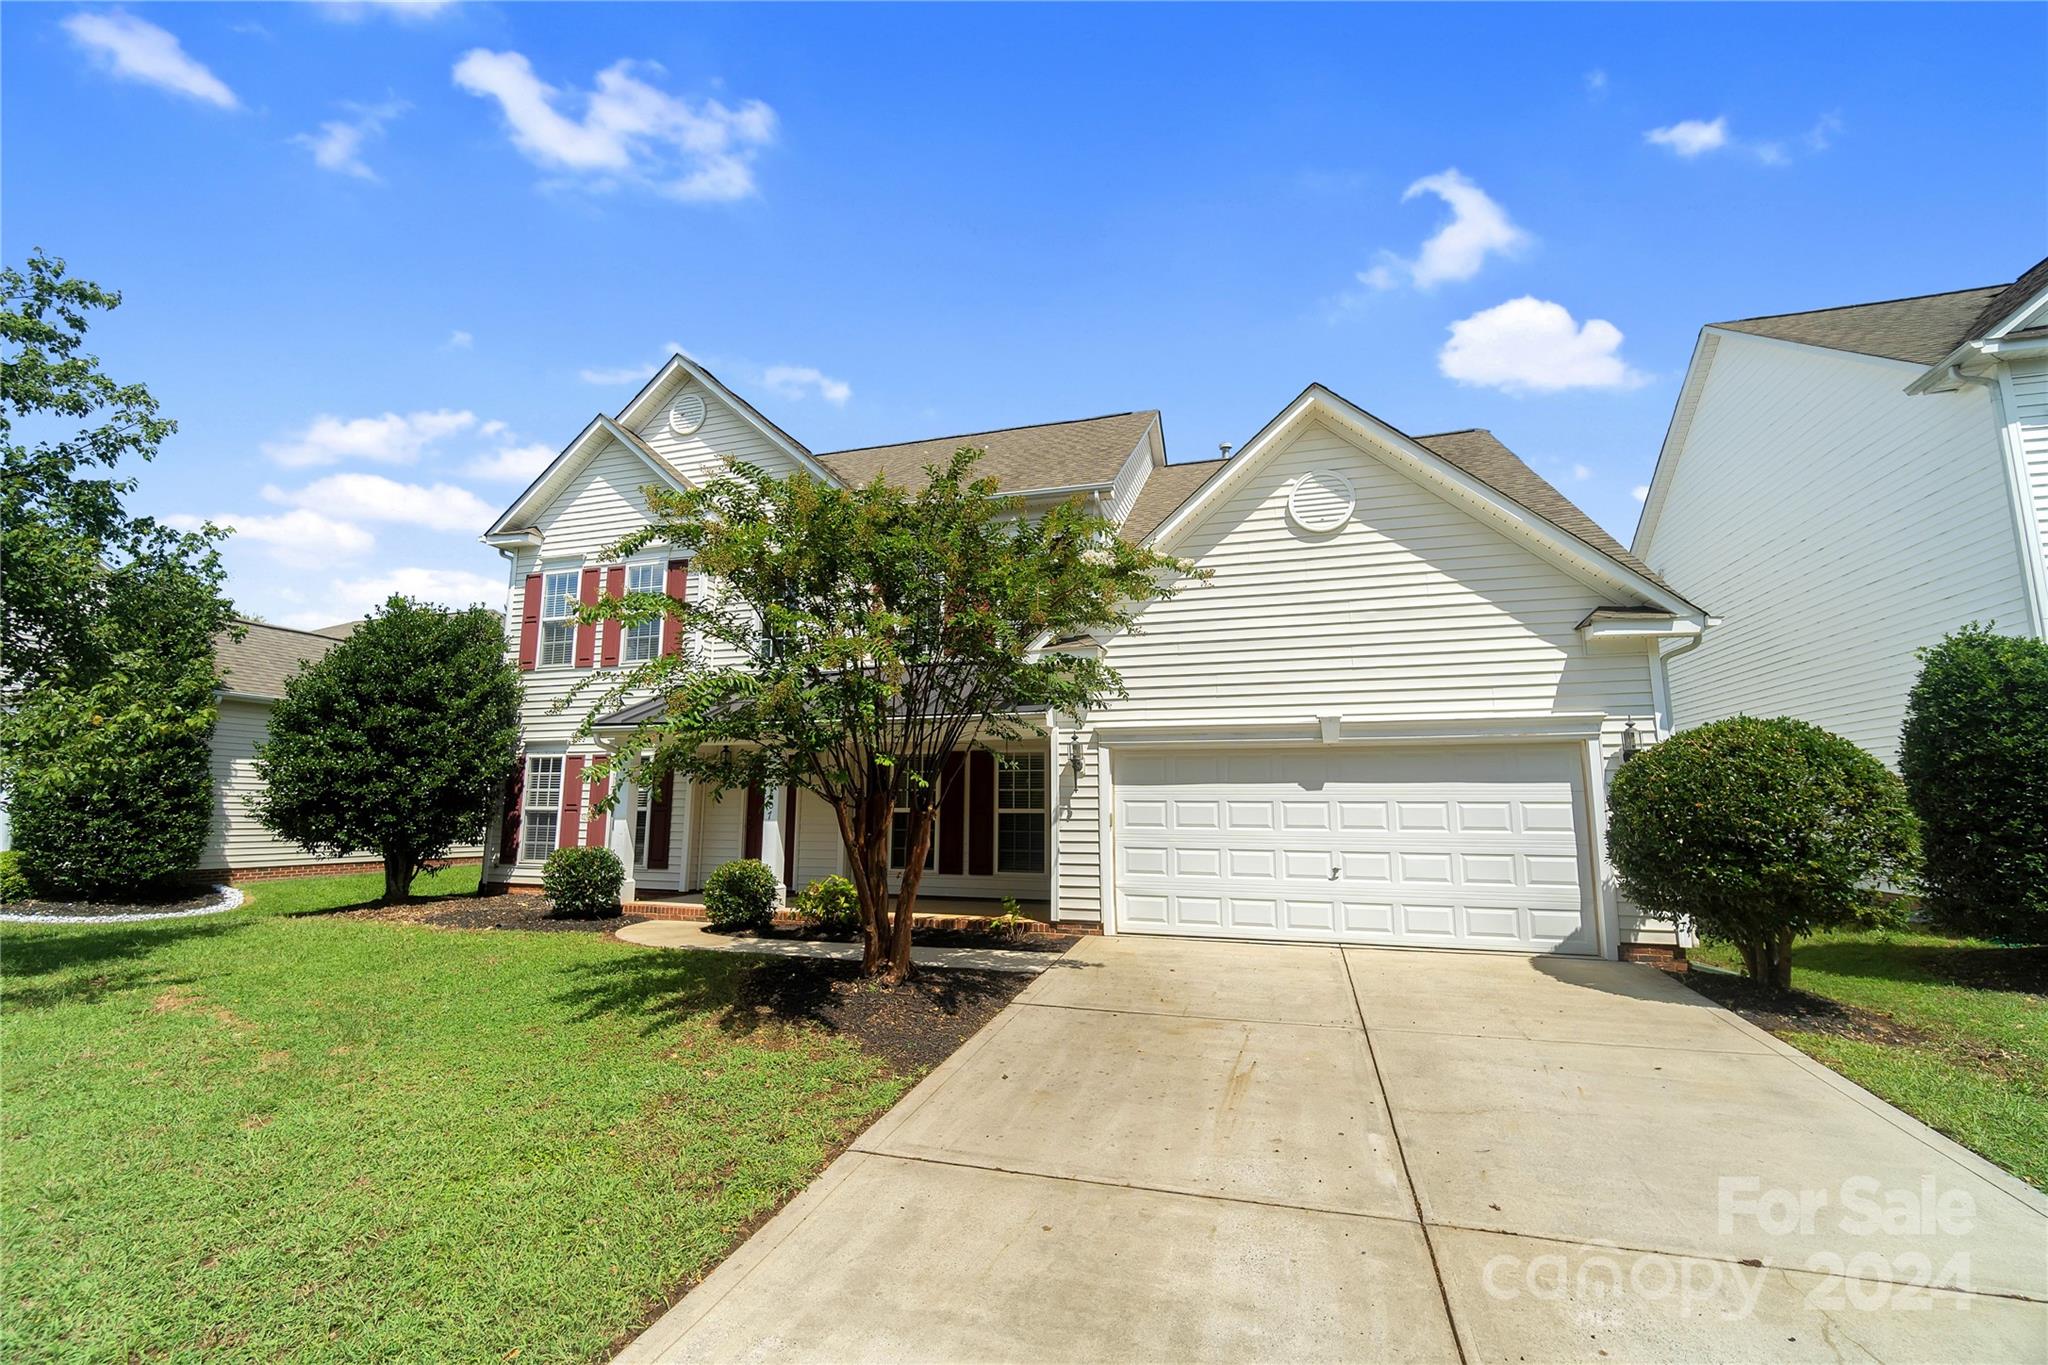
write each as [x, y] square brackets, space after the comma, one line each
[1020, 813]
[642, 805]
[643, 641]
[899, 832]
[558, 617]
[540, 809]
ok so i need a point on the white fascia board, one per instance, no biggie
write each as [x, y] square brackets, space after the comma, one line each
[641, 406]
[1223, 731]
[514, 525]
[1062, 491]
[1432, 470]
[1676, 432]
[1619, 631]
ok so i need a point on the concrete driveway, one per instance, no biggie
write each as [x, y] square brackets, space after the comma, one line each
[1175, 1150]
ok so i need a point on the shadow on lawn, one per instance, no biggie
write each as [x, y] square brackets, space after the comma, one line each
[661, 990]
[2021, 970]
[373, 902]
[95, 962]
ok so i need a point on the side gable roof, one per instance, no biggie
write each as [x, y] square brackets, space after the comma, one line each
[1468, 464]
[1920, 331]
[1166, 488]
[265, 658]
[2009, 301]
[1084, 453]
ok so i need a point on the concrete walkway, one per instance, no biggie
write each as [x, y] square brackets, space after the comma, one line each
[673, 933]
[1173, 1150]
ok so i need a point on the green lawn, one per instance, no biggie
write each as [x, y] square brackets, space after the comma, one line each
[1982, 1076]
[275, 1134]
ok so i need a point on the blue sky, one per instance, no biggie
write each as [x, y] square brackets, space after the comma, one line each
[379, 259]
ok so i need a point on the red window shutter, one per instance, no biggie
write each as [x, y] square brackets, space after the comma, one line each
[677, 586]
[614, 586]
[953, 815]
[750, 838]
[593, 828]
[660, 815]
[529, 623]
[508, 820]
[981, 814]
[586, 636]
[572, 802]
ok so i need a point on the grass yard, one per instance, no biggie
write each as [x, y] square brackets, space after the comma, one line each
[277, 1133]
[1970, 1051]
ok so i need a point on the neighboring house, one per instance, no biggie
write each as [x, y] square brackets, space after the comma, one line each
[254, 671]
[1389, 716]
[1847, 486]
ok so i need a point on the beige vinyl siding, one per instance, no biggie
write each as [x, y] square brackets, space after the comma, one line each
[1077, 831]
[237, 839]
[1414, 610]
[1837, 525]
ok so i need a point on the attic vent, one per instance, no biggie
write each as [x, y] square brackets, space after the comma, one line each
[687, 415]
[1321, 501]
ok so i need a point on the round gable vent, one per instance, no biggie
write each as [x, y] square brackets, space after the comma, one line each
[687, 415]
[1320, 502]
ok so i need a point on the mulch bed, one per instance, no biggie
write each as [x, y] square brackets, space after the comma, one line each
[1022, 941]
[167, 903]
[1796, 1011]
[530, 914]
[911, 1027]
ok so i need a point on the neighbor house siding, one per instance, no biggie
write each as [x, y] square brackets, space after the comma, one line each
[1837, 525]
[1415, 610]
[2027, 386]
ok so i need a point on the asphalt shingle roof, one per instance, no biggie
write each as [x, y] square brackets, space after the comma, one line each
[265, 658]
[1052, 455]
[1922, 330]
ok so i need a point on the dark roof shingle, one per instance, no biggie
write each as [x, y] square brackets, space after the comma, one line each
[1166, 488]
[265, 658]
[1921, 330]
[1086, 451]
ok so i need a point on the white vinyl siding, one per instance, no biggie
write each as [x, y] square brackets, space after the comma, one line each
[1837, 525]
[2027, 389]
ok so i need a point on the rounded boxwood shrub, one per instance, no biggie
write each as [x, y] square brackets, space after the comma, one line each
[583, 883]
[1752, 832]
[829, 903]
[740, 895]
[1974, 753]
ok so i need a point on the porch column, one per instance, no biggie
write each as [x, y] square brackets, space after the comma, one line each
[619, 831]
[682, 851]
[772, 816]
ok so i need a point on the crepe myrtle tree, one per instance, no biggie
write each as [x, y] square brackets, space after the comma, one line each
[397, 739]
[855, 637]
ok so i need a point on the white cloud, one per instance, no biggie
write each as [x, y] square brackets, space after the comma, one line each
[372, 497]
[629, 132]
[459, 340]
[1640, 492]
[1530, 345]
[802, 381]
[1582, 472]
[338, 146]
[299, 539]
[1596, 83]
[619, 374]
[1691, 137]
[1821, 136]
[1478, 228]
[513, 464]
[354, 11]
[348, 599]
[137, 50]
[389, 439]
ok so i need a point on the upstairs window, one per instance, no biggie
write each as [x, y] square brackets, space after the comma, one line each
[541, 808]
[558, 618]
[643, 641]
[1020, 813]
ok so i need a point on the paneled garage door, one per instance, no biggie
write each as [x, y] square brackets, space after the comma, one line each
[1449, 846]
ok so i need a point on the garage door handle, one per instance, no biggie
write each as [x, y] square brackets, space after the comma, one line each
[1333, 874]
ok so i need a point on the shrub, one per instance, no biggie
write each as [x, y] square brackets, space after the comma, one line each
[1974, 753]
[740, 895]
[829, 903]
[112, 784]
[583, 883]
[1752, 832]
[13, 881]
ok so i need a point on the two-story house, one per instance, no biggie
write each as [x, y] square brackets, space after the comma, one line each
[1388, 716]
[1847, 486]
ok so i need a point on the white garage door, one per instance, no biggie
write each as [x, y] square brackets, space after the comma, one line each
[1449, 846]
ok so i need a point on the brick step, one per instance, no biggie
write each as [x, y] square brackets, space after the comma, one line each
[967, 924]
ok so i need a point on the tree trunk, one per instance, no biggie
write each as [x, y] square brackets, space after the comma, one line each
[1781, 962]
[900, 966]
[397, 878]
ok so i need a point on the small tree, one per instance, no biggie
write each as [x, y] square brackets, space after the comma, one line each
[1974, 753]
[397, 740]
[856, 637]
[1753, 832]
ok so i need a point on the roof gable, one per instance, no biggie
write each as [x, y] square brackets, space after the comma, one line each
[1084, 453]
[601, 433]
[1469, 468]
[679, 368]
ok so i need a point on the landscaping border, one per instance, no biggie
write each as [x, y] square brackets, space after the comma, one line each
[230, 898]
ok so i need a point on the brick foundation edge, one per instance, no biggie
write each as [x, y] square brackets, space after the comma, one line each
[966, 924]
[238, 876]
[1668, 957]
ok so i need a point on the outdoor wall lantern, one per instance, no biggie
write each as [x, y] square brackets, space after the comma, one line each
[1628, 741]
[1074, 755]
